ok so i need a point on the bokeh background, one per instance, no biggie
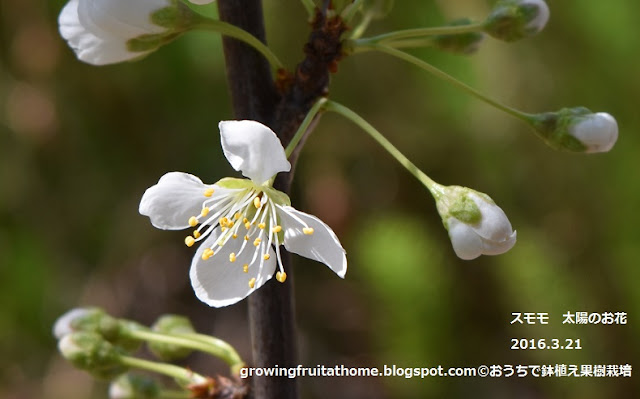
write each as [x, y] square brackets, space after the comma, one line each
[80, 144]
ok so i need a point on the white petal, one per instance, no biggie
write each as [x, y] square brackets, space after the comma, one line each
[598, 132]
[498, 247]
[219, 282]
[170, 203]
[542, 17]
[494, 224]
[63, 325]
[466, 243]
[88, 47]
[253, 149]
[323, 245]
[125, 19]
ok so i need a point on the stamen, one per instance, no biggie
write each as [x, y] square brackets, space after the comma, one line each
[234, 236]
[189, 241]
[308, 231]
[257, 241]
[207, 254]
[208, 192]
[261, 226]
[245, 220]
[276, 229]
[205, 211]
[193, 221]
[196, 234]
[256, 202]
[245, 268]
[281, 276]
[246, 238]
[230, 224]
[237, 216]
[247, 225]
[232, 257]
[266, 256]
[252, 282]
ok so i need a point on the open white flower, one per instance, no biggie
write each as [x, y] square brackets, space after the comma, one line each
[100, 31]
[241, 222]
[476, 225]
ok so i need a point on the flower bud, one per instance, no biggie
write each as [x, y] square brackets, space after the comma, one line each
[78, 319]
[131, 386]
[104, 32]
[171, 324]
[513, 20]
[463, 43]
[476, 225]
[577, 129]
[90, 352]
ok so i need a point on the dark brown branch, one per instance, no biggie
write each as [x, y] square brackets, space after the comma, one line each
[254, 96]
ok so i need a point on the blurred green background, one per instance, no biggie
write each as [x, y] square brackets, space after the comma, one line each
[80, 144]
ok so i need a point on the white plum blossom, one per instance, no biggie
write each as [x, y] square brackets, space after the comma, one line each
[597, 132]
[476, 225]
[240, 223]
[100, 31]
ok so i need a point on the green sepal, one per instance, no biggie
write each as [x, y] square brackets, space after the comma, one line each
[277, 196]
[509, 19]
[171, 324]
[465, 210]
[234, 183]
[553, 128]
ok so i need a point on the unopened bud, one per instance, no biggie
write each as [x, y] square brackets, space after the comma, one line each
[171, 324]
[513, 20]
[476, 225]
[131, 386]
[78, 319]
[90, 352]
[577, 129]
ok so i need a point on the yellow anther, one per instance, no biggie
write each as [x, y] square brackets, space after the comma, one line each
[246, 238]
[276, 229]
[245, 220]
[230, 224]
[205, 211]
[257, 241]
[247, 225]
[261, 226]
[234, 236]
[208, 192]
[308, 231]
[224, 221]
[266, 256]
[245, 268]
[189, 241]
[207, 253]
[281, 276]
[256, 202]
[232, 257]
[224, 228]
[237, 216]
[196, 234]
[193, 221]
[252, 282]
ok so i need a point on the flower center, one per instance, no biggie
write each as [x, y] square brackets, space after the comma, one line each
[247, 213]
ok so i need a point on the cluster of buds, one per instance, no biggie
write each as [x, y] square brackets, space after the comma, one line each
[93, 341]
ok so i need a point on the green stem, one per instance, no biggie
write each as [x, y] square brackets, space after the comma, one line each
[362, 26]
[213, 346]
[450, 79]
[182, 375]
[420, 32]
[304, 126]
[227, 29]
[350, 11]
[435, 188]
